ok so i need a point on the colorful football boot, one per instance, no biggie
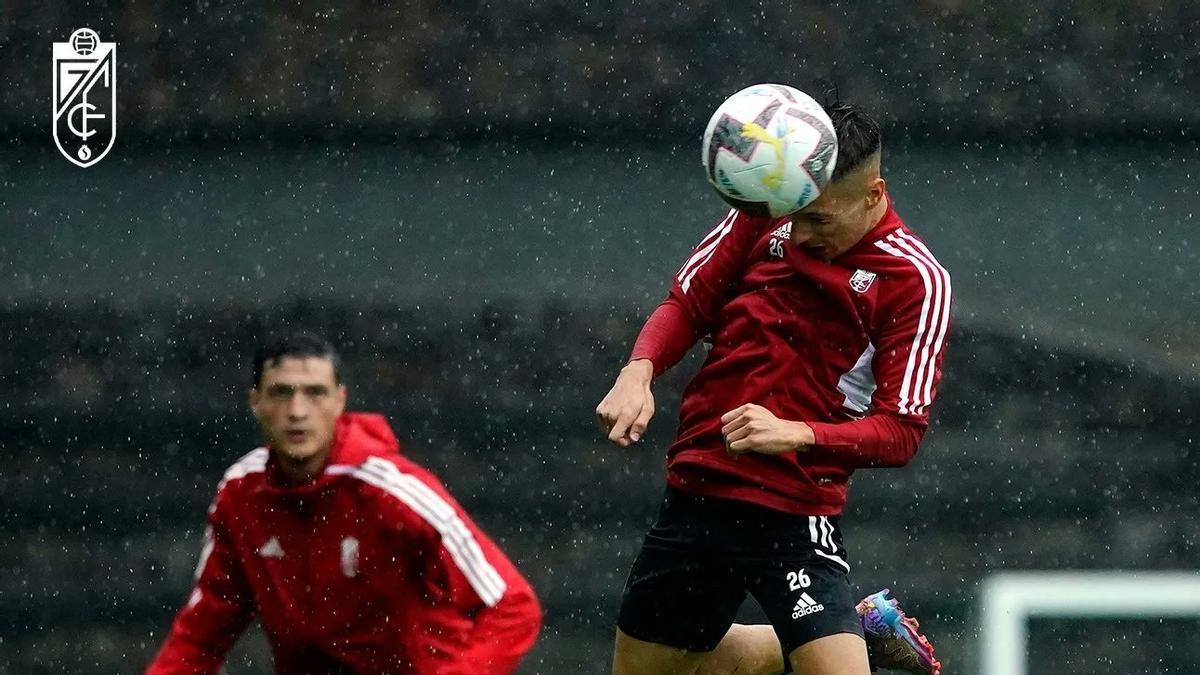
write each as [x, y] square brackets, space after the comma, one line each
[894, 639]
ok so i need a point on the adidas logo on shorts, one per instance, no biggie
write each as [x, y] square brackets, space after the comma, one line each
[805, 606]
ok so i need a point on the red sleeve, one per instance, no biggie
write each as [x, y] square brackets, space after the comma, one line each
[501, 634]
[480, 614]
[216, 613]
[667, 336]
[875, 440]
[907, 364]
[701, 288]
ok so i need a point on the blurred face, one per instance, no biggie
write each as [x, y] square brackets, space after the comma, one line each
[297, 404]
[846, 210]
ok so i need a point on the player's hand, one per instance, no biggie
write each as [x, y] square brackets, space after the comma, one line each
[626, 410]
[753, 428]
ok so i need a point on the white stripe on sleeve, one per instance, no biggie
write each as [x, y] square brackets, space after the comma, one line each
[924, 370]
[704, 242]
[254, 461]
[916, 387]
[429, 505]
[906, 381]
[942, 321]
[705, 253]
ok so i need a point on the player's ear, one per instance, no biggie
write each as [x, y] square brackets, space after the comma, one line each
[342, 395]
[876, 188]
[254, 397]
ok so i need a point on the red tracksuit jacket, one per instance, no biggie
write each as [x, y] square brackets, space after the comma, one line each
[852, 346]
[372, 568]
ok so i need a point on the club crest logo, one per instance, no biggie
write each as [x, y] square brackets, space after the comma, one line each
[85, 97]
[861, 280]
[350, 557]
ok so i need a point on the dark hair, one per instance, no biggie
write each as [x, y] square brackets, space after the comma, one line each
[857, 136]
[298, 345]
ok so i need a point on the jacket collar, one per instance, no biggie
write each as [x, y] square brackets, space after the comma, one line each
[356, 437]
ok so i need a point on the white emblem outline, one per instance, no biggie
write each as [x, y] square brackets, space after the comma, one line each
[104, 57]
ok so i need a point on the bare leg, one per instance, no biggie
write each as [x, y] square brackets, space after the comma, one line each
[841, 654]
[636, 657]
[745, 650]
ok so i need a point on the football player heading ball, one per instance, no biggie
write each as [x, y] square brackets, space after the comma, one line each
[769, 150]
[827, 327]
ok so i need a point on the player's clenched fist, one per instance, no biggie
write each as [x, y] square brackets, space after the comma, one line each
[753, 428]
[629, 405]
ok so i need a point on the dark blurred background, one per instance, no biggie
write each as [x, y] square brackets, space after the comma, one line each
[480, 202]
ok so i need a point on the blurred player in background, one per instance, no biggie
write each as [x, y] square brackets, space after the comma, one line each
[827, 329]
[352, 557]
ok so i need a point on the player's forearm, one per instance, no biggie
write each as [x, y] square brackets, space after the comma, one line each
[876, 440]
[204, 630]
[666, 337]
[184, 653]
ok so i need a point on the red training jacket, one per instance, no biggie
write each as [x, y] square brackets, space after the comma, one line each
[371, 568]
[852, 346]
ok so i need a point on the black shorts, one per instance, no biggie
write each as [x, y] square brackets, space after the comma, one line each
[704, 554]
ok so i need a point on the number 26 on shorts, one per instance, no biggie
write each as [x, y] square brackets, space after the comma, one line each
[798, 580]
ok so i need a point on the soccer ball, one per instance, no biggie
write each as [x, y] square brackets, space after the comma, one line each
[84, 41]
[769, 150]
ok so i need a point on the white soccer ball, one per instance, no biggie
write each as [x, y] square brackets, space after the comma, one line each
[769, 150]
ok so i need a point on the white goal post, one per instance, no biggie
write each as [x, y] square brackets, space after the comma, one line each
[1010, 599]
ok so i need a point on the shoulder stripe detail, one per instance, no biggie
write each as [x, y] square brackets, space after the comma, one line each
[942, 322]
[425, 502]
[716, 230]
[254, 461]
[916, 388]
[910, 367]
[923, 380]
[705, 251]
[340, 469]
